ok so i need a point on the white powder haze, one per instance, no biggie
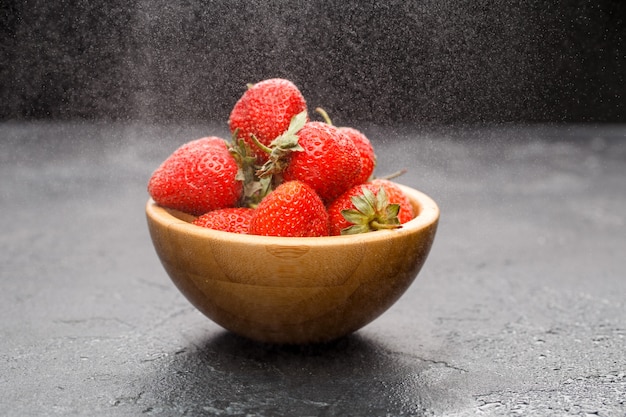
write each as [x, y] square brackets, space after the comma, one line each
[383, 62]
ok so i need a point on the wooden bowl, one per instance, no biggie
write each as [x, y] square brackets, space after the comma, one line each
[291, 290]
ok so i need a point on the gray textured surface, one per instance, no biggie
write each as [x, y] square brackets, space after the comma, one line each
[519, 310]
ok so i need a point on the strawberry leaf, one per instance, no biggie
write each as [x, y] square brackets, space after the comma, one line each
[355, 229]
[297, 122]
[392, 211]
[254, 188]
[371, 212]
[353, 216]
[281, 147]
[381, 200]
[363, 206]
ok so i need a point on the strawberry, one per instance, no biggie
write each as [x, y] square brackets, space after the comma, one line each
[363, 144]
[265, 111]
[293, 209]
[198, 177]
[397, 196]
[375, 205]
[231, 219]
[329, 161]
[366, 152]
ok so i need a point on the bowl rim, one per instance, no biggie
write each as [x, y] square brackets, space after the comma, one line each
[173, 219]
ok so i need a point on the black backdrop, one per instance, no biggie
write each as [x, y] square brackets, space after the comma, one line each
[467, 61]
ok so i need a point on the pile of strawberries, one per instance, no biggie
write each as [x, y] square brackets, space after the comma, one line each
[281, 174]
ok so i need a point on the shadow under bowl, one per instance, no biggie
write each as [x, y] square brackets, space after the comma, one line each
[289, 290]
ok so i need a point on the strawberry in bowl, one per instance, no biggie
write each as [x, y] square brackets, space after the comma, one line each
[286, 240]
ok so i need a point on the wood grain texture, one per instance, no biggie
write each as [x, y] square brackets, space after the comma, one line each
[292, 290]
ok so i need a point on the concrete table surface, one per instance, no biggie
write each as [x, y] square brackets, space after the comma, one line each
[519, 310]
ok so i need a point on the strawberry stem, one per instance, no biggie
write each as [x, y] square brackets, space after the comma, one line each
[394, 174]
[375, 225]
[371, 212]
[264, 148]
[324, 115]
[282, 146]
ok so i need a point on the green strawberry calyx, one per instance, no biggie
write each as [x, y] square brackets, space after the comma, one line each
[372, 212]
[281, 147]
[254, 188]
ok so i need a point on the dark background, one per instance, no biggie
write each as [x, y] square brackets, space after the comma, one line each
[421, 62]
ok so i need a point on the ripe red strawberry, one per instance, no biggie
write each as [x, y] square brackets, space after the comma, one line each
[265, 111]
[198, 177]
[230, 219]
[397, 196]
[366, 152]
[293, 209]
[329, 161]
[375, 205]
[363, 144]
